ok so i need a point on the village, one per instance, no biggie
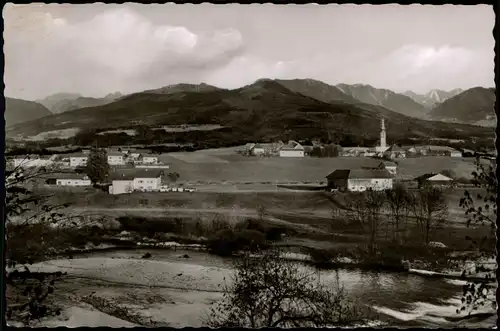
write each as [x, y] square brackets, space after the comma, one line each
[140, 170]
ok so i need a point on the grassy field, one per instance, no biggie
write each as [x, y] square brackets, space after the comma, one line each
[225, 165]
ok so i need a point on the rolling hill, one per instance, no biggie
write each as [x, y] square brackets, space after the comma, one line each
[19, 111]
[265, 109]
[381, 97]
[433, 97]
[175, 88]
[475, 105]
[317, 90]
[62, 102]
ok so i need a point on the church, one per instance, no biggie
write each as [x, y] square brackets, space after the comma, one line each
[382, 149]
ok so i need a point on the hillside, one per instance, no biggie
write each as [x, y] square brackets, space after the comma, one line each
[475, 105]
[263, 110]
[175, 88]
[317, 90]
[385, 98]
[19, 111]
[433, 97]
[62, 102]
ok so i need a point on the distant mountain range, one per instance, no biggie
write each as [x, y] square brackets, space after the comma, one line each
[266, 109]
[475, 106]
[18, 111]
[432, 98]
[62, 102]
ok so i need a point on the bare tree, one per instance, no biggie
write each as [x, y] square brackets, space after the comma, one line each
[28, 219]
[365, 210]
[430, 209]
[481, 210]
[267, 291]
[398, 201]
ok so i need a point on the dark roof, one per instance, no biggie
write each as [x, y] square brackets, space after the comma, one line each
[388, 164]
[363, 173]
[75, 155]
[116, 153]
[428, 175]
[395, 148]
[136, 173]
[67, 175]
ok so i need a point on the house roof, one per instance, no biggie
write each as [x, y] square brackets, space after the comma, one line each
[441, 148]
[136, 173]
[388, 164]
[257, 146]
[395, 148]
[433, 177]
[67, 175]
[75, 155]
[292, 146]
[363, 173]
[148, 155]
[113, 153]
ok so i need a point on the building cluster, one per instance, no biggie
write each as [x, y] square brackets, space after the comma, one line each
[295, 149]
[291, 149]
[378, 178]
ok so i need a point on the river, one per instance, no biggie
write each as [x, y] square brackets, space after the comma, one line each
[400, 299]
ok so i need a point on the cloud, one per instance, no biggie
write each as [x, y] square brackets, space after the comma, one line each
[116, 50]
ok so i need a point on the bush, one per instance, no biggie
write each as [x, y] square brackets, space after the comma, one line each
[227, 242]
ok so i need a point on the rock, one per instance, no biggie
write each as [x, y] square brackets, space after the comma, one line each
[437, 244]
[146, 256]
[186, 256]
[406, 265]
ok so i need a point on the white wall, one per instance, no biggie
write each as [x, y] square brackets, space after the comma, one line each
[294, 153]
[152, 184]
[392, 170]
[73, 182]
[78, 161]
[121, 186]
[376, 184]
[150, 159]
[115, 160]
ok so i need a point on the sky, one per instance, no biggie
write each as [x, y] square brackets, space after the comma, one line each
[96, 49]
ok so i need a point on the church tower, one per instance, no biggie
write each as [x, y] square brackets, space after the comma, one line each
[383, 142]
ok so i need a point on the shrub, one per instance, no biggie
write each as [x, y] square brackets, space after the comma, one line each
[227, 242]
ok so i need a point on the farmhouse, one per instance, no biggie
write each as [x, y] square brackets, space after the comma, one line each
[434, 180]
[143, 180]
[71, 179]
[442, 151]
[78, 160]
[292, 149]
[116, 158]
[360, 180]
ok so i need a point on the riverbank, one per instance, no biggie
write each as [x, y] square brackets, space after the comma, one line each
[170, 289]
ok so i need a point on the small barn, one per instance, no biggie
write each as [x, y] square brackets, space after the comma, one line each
[434, 180]
[395, 152]
[292, 149]
[359, 180]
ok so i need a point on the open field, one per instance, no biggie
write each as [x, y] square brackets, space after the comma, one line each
[218, 165]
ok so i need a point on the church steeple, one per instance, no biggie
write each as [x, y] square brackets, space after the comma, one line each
[383, 142]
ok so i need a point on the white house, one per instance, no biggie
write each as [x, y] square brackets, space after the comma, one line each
[121, 186]
[257, 149]
[73, 180]
[139, 179]
[148, 158]
[359, 180]
[292, 149]
[455, 153]
[391, 167]
[78, 160]
[116, 158]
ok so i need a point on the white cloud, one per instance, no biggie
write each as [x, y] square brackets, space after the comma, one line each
[109, 51]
